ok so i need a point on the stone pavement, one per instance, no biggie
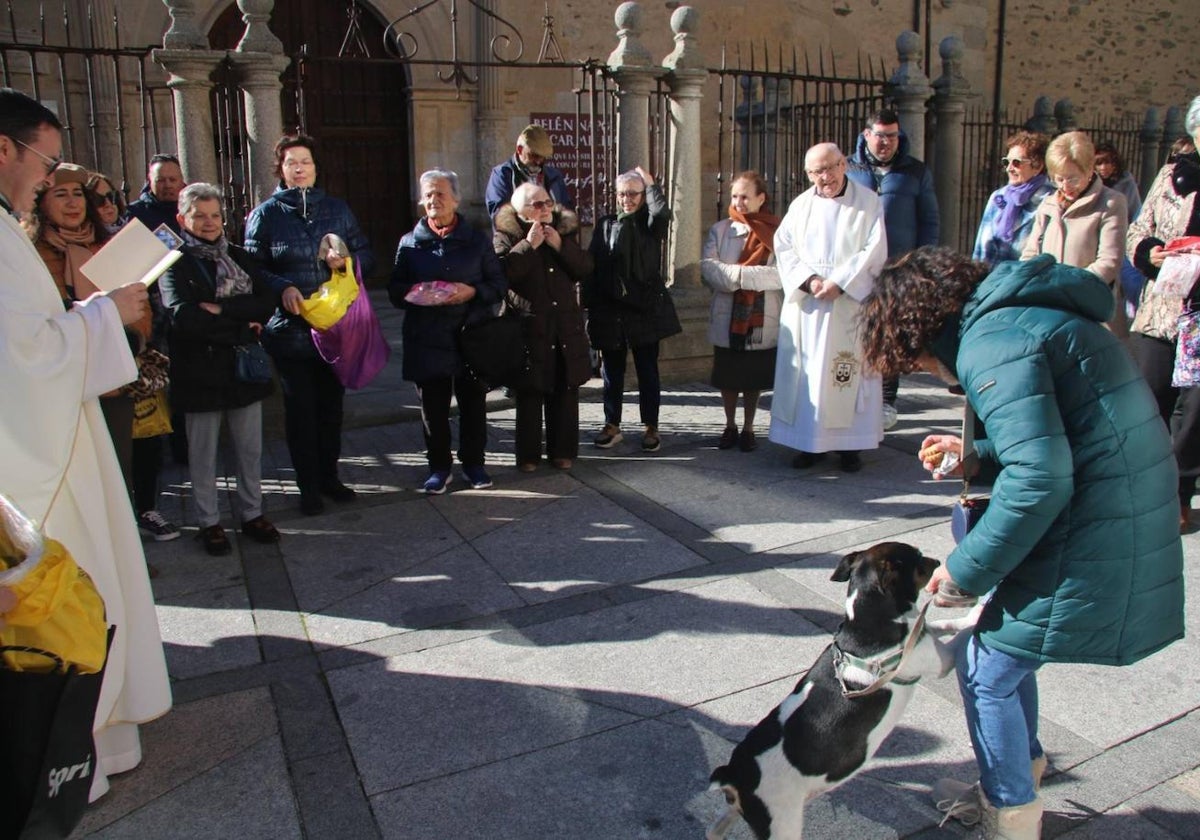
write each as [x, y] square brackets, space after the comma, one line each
[568, 655]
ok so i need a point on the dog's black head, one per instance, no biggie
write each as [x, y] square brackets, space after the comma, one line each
[896, 571]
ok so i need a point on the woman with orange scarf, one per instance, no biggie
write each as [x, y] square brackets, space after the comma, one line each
[738, 264]
[67, 229]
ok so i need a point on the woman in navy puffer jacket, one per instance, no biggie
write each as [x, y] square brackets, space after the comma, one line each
[284, 234]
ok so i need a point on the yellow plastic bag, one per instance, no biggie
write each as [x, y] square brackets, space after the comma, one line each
[326, 306]
[58, 608]
[151, 416]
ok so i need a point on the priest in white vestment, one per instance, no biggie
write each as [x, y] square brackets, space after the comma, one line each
[830, 247]
[57, 462]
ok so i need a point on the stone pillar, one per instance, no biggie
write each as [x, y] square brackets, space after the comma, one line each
[635, 74]
[183, 34]
[1152, 136]
[190, 82]
[950, 101]
[259, 78]
[1173, 127]
[686, 76]
[1042, 120]
[101, 34]
[493, 143]
[258, 36]
[1064, 116]
[909, 89]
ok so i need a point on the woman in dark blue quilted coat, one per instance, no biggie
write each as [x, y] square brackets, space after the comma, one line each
[284, 234]
[443, 246]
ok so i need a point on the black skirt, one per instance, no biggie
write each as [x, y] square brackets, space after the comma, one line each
[743, 370]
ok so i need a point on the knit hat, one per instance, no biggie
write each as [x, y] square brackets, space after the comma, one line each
[71, 173]
[535, 139]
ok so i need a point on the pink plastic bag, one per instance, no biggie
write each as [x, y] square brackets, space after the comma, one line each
[355, 345]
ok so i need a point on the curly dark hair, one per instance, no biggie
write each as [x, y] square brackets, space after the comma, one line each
[912, 300]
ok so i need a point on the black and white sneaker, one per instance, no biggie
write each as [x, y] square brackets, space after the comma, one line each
[156, 526]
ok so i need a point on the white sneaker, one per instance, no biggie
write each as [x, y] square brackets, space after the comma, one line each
[890, 416]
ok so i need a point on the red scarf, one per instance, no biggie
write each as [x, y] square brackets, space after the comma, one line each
[749, 307]
[438, 229]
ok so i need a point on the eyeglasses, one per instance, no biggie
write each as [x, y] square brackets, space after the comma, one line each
[1018, 162]
[539, 205]
[1069, 181]
[51, 163]
[628, 193]
[814, 174]
[100, 199]
[885, 135]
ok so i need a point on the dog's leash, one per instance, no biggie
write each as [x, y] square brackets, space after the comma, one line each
[881, 665]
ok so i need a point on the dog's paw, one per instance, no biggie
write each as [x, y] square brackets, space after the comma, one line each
[720, 828]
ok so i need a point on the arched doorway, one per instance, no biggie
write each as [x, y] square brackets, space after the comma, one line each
[354, 107]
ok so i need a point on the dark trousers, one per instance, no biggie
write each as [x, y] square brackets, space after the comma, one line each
[560, 408]
[312, 405]
[1178, 407]
[612, 371]
[435, 420]
[891, 388]
[147, 462]
[118, 417]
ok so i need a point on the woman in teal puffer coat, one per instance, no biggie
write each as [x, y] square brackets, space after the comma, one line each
[1079, 547]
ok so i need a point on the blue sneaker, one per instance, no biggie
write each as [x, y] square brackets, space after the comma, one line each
[435, 485]
[477, 477]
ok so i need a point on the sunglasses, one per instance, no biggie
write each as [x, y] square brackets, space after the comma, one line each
[1007, 162]
[51, 163]
[540, 205]
[100, 199]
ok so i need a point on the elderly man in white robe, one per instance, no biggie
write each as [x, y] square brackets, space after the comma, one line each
[830, 248]
[57, 462]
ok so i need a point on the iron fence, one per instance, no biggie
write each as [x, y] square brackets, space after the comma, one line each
[769, 112]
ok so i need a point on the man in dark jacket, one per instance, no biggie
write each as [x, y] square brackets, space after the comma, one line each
[527, 164]
[881, 162]
[158, 202]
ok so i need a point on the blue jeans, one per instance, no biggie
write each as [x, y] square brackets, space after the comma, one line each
[612, 370]
[1000, 697]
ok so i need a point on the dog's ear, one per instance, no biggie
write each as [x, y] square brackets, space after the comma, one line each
[842, 573]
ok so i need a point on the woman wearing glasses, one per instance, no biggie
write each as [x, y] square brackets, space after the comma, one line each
[1008, 215]
[1083, 223]
[536, 241]
[108, 201]
[629, 308]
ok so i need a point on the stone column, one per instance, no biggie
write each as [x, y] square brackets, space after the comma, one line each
[190, 82]
[493, 144]
[635, 74]
[950, 101]
[686, 76]
[183, 34]
[1152, 136]
[106, 133]
[909, 89]
[1173, 127]
[259, 78]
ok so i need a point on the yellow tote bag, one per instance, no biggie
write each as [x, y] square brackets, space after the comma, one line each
[326, 306]
[151, 416]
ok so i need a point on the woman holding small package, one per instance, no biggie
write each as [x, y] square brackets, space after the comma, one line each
[535, 239]
[284, 233]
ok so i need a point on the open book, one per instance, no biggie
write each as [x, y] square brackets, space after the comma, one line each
[134, 255]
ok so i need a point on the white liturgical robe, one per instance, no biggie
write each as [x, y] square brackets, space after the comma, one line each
[51, 360]
[824, 399]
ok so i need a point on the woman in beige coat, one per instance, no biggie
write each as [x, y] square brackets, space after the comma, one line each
[1083, 223]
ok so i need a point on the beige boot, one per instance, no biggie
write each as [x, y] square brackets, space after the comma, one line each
[960, 801]
[1020, 822]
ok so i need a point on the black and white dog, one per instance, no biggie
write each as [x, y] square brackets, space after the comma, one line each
[851, 698]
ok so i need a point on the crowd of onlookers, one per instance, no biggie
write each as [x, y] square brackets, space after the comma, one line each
[583, 307]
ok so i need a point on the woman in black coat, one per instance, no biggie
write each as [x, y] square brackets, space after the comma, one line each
[217, 300]
[545, 265]
[629, 308]
[444, 247]
[284, 234]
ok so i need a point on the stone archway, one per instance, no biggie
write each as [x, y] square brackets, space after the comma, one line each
[355, 108]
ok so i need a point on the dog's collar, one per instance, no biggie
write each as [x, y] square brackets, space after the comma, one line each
[883, 667]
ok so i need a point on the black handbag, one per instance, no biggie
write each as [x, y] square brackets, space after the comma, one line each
[251, 364]
[493, 349]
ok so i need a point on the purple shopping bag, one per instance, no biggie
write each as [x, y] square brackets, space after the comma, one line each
[355, 346]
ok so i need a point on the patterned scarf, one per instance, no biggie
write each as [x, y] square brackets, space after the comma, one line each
[1010, 201]
[746, 320]
[231, 279]
[73, 245]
